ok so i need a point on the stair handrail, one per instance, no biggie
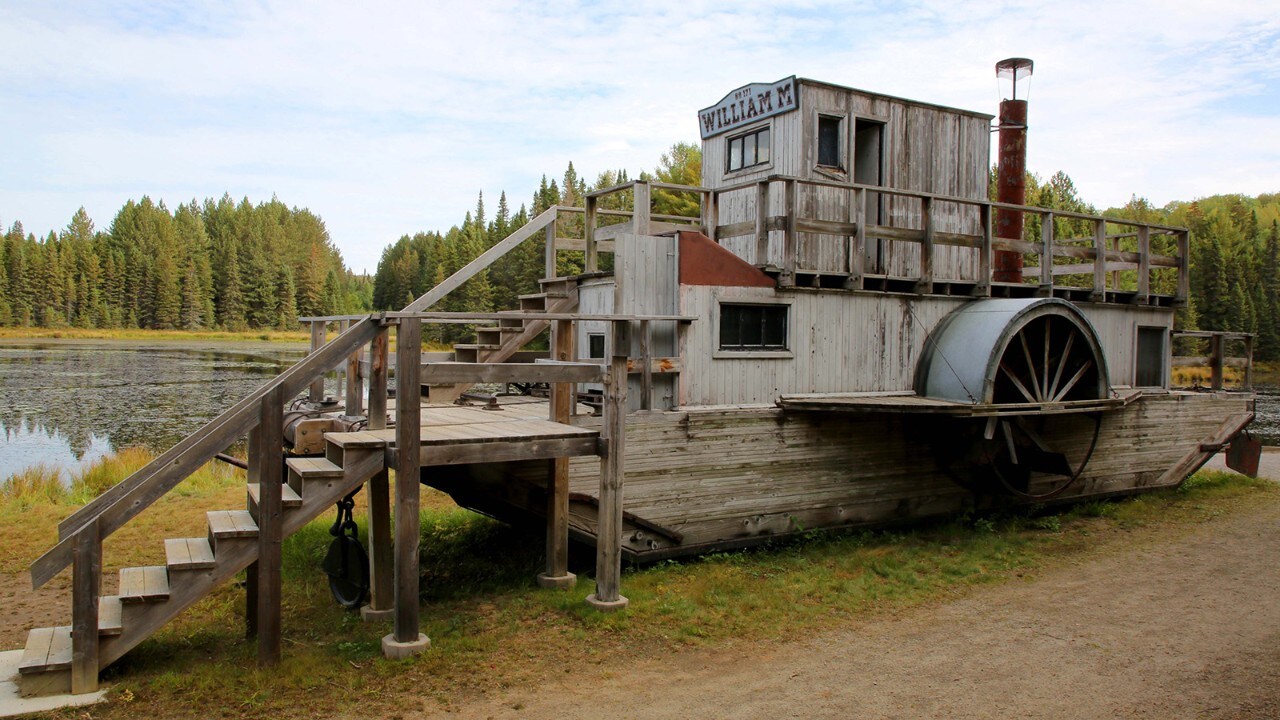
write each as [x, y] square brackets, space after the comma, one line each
[484, 260]
[122, 502]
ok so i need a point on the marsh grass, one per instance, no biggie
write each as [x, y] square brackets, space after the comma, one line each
[491, 627]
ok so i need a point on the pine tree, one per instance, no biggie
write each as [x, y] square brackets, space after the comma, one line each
[286, 299]
[1269, 309]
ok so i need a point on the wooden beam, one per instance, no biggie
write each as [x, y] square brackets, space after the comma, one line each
[609, 536]
[646, 367]
[711, 214]
[1046, 252]
[354, 400]
[86, 584]
[983, 288]
[487, 258]
[270, 526]
[1184, 267]
[790, 238]
[1099, 259]
[408, 461]
[507, 451]
[1144, 265]
[591, 261]
[549, 250]
[456, 372]
[858, 241]
[641, 198]
[925, 283]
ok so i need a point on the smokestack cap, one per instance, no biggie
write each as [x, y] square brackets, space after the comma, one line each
[1014, 68]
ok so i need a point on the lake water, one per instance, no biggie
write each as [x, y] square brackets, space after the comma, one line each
[65, 404]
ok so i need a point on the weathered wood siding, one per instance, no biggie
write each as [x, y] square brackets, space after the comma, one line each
[838, 342]
[1117, 329]
[925, 148]
[726, 474]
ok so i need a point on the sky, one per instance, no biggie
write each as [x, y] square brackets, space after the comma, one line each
[387, 118]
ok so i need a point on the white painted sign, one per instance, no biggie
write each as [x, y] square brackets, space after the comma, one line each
[748, 104]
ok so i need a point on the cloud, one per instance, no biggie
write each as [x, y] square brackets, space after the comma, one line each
[387, 118]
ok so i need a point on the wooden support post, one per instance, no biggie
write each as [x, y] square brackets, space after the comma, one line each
[642, 198]
[609, 526]
[407, 639]
[270, 525]
[790, 238]
[549, 251]
[711, 214]
[983, 288]
[762, 223]
[591, 259]
[1144, 265]
[254, 455]
[556, 574]
[925, 283]
[355, 384]
[1215, 361]
[1115, 274]
[646, 369]
[86, 584]
[316, 392]
[381, 564]
[378, 379]
[1184, 268]
[1248, 362]
[1100, 260]
[1046, 253]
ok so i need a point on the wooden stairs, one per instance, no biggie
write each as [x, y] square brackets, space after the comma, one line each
[151, 596]
[499, 343]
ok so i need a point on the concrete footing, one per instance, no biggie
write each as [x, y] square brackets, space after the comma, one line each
[561, 582]
[607, 605]
[368, 614]
[52, 693]
[395, 650]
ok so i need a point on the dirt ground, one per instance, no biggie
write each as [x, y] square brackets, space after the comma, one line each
[1188, 629]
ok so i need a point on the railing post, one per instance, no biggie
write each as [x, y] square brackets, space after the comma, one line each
[609, 526]
[1215, 361]
[1184, 267]
[591, 257]
[549, 251]
[1144, 265]
[790, 239]
[646, 366]
[354, 400]
[711, 214]
[270, 525]
[381, 572]
[316, 393]
[1099, 260]
[858, 242]
[642, 201]
[556, 574]
[983, 288]
[925, 283]
[1046, 253]
[406, 639]
[86, 585]
[762, 223]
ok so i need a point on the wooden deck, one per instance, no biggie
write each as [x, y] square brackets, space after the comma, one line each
[459, 434]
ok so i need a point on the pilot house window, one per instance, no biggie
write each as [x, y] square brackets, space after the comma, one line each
[829, 142]
[749, 149]
[753, 327]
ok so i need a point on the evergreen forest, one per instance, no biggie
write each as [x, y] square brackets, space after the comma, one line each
[222, 264]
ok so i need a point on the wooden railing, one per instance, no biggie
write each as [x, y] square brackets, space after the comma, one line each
[1114, 260]
[1218, 359]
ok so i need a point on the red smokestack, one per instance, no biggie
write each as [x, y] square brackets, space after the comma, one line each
[1011, 185]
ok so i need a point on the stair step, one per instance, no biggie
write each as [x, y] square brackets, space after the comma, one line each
[309, 468]
[189, 554]
[360, 440]
[476, 346]
[47, 649]
[110, 614]
[231, 524]
[288, 498]
[144, 584]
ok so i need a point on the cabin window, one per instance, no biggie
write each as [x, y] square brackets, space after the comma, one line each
[829, 154]
[595, 345]
[753, 327]
[1151, 354]
[749, 150]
